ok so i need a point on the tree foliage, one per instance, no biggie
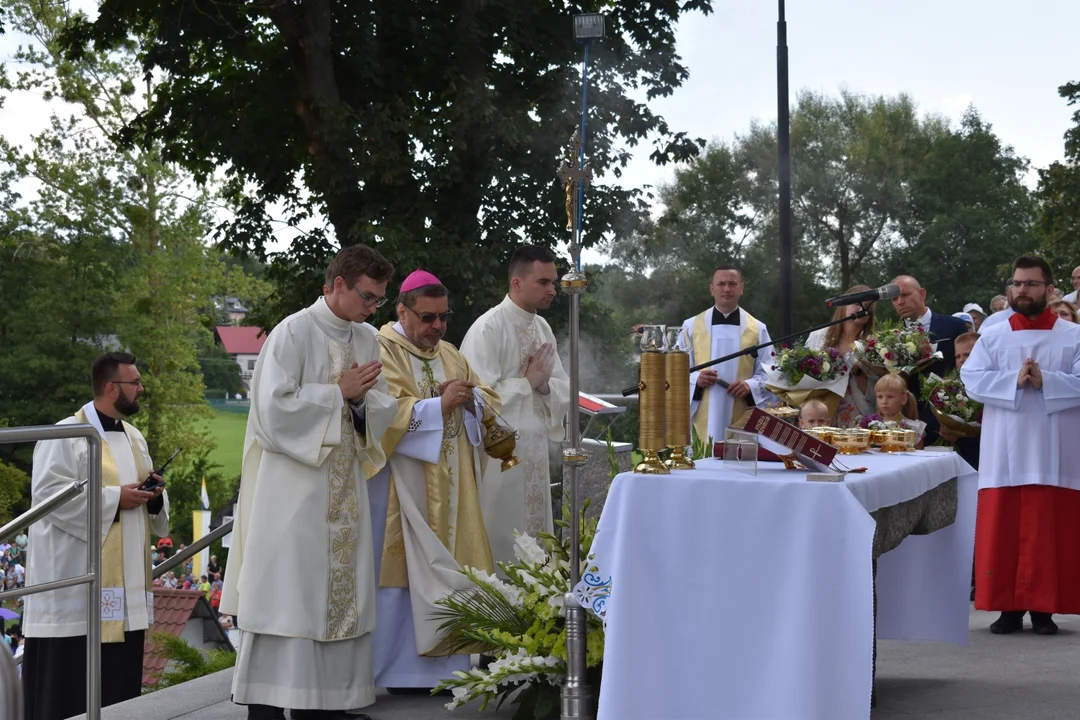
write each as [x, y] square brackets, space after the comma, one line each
[432, 130]
[1059, 195]
[110, 253]
[877, 189]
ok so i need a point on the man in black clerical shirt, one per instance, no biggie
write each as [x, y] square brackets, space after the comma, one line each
[54, 623]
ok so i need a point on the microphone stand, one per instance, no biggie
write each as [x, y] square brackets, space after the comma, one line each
[865, 312]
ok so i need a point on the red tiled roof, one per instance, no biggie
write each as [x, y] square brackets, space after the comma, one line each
[240, 339]
[172, 610]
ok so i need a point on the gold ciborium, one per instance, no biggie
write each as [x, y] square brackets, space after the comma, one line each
[499, 439]
[677, 410]
[851, 441]
[652, 388]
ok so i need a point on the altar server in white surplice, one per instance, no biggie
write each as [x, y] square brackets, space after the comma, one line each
[301, 575]
[722, 393]
[513, 350]
[427, 520]
[1027, 539]
[54, 663]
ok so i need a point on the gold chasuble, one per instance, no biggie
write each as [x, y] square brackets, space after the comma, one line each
[701, 342]
[453, 497]
[112, 550]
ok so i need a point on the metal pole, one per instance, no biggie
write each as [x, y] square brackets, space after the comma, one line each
[93, 588]
[580, 189]
[577, 702]
[783, 131]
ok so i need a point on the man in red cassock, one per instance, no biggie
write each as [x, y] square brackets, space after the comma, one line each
[1027, 535]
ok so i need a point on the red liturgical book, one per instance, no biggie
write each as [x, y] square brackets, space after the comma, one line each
[810, 451]
[763, 455]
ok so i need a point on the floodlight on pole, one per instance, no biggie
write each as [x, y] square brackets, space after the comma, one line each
[588, 26]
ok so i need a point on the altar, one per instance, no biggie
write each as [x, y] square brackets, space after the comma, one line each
[728, 596]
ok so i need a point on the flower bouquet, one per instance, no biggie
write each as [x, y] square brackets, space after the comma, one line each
[876, 422]
[951, 405]
[522, 623]
[800, 373]
[896, 348]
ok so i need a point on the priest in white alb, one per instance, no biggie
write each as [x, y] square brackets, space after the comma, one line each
[427, 521]
[722, 393]
[513, 350]
[1027, 539]
[54, 623]
[301, 578]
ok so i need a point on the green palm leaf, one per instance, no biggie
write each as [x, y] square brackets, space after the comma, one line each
[470, 616]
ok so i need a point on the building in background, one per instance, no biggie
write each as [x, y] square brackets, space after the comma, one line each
[243, 344]
[230, 309]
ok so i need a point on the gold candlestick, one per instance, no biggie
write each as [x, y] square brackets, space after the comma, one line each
[677, 370]
[652, 386]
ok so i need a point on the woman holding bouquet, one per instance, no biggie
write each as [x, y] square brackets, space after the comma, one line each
[859, 399]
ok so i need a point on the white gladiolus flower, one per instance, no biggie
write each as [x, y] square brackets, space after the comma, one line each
[513, 595]
[528, 551]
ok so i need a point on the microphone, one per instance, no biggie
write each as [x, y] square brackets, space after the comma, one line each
[885, 292]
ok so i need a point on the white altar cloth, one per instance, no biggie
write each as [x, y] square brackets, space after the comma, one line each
[735, 597]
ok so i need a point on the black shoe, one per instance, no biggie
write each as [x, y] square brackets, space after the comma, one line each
[265, 712]
[1043, 624]
[326, 715]
[426, 692]
[1008, 623]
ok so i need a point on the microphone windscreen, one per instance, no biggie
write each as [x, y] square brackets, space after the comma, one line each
[891, 292]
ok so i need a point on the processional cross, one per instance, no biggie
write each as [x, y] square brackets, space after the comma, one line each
[575, 176]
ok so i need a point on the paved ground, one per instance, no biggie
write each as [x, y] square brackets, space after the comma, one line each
[1018, 677]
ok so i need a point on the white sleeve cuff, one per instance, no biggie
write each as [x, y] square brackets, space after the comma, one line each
[472, 424]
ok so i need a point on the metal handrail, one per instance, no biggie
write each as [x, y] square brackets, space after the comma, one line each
[40, 510]
[195, 548]
[92, 579]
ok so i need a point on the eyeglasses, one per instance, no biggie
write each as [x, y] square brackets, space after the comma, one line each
[370, 301]
[428, 318]
[127, 382]
[1029, 284]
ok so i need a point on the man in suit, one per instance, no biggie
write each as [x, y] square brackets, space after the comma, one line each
[910, 305]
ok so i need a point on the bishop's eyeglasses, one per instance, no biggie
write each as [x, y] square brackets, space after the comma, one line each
[1029, 284]
[428, 318]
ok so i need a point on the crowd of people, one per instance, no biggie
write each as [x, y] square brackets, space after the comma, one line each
[1022, 362]
[365, 474]
[13, 562]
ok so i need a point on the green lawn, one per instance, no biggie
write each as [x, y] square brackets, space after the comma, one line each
[228, 429]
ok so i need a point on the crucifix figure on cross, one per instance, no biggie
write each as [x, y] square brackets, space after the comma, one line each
[575, 176]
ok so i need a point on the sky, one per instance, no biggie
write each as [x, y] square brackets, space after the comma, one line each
[1005, 58]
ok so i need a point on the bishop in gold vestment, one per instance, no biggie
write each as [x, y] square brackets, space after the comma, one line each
[426, 513]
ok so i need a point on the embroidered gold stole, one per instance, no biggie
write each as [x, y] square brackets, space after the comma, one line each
[112, 550]
[701, 340]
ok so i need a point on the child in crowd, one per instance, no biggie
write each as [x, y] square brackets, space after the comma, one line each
[812, 414]
[896, 404]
